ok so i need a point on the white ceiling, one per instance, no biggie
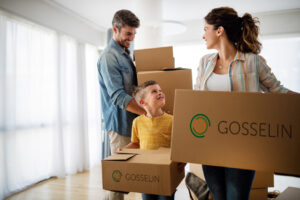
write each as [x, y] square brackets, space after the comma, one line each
[100, 12]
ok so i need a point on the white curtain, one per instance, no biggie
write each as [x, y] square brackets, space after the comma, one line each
[47, 126]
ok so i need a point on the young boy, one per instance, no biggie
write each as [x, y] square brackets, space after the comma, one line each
[152, 130]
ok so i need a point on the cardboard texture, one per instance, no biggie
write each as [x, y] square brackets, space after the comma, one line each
[291, 193]
[261, 179]
[154, 59]
[239, 130]
[147, 171]
[158, 64]
[259, 194]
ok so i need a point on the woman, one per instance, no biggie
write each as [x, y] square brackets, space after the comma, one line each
[236, 67]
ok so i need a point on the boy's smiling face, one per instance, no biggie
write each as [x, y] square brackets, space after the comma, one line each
[154, 97]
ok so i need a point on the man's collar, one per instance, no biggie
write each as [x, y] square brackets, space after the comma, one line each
[118, 47]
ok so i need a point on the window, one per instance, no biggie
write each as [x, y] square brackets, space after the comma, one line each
[50, 105]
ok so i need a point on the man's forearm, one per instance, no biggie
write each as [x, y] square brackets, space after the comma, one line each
[135, 108]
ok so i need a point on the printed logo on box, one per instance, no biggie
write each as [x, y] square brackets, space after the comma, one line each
[117, 175]
[199, 125]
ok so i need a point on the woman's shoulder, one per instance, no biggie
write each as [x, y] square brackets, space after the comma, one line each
[254, 58]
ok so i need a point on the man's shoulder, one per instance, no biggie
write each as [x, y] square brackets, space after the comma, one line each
[109, 51]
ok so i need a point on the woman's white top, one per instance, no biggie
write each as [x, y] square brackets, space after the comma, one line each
[218, 82]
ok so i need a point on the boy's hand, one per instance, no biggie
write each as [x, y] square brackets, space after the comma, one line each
[181, 166]
[119, 149]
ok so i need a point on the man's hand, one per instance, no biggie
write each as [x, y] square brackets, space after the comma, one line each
[135, 108]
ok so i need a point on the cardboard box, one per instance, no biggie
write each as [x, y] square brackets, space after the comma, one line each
[154, 59]
[144, 171]
[259, 194]
[291, 193]
[261, 179]
[239, 130]
[158, 64]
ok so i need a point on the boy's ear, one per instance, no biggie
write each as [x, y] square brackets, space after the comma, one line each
[141, 102]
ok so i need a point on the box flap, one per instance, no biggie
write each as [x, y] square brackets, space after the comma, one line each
[161, 150]
[154, 59]
[120, 157]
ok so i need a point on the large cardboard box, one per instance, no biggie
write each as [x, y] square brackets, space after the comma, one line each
[239, 130]
[259, 194]
[144, 171]
[261, 179]
[158, 64]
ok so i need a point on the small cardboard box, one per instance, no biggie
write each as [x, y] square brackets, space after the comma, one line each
[154, 59]
[144, 171]
[239, 130]
[158, 64]
[261, 179]
[259, 194]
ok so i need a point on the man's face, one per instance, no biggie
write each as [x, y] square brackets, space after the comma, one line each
[124, 36]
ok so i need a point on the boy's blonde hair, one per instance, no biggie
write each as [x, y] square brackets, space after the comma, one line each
[139, 91]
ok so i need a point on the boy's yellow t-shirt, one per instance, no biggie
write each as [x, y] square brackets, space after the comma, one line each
[152, 133]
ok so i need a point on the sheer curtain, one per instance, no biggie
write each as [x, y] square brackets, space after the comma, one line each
[47, 127]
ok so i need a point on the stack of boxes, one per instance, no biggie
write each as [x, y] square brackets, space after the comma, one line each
[158, 64]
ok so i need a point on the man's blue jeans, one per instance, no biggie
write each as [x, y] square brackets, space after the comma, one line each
[228, 183]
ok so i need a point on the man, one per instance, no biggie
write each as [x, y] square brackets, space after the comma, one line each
[117, 76]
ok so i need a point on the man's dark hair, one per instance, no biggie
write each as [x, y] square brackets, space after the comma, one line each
[125, 17]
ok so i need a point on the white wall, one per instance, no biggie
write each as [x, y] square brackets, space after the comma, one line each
[282, 23]
[47, 13]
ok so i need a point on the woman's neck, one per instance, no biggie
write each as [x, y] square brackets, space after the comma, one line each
[227, 51]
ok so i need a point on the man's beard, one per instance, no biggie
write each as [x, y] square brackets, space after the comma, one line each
[122, 43]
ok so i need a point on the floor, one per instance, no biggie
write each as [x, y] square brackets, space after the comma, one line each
[81, 186]
[88, 186]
